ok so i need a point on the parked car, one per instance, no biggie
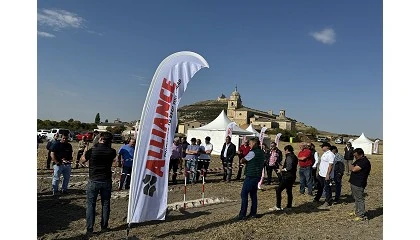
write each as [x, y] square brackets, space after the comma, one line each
[60, 132]
[322, 139]
[339, 140]
[117, 138]
[43, 133]
[88, 135]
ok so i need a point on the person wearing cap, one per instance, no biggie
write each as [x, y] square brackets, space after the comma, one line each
[227, 154]
[306, 160]
[325, 168]
[348, 156]
[192, 152]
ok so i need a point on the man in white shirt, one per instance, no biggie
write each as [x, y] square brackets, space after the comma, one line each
[325, 168]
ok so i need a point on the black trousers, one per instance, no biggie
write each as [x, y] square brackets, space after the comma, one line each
[323, 184]
[173, 164]
[49, 159]
[315, 184]
[286, 183]
[269, 170]
[202, 164]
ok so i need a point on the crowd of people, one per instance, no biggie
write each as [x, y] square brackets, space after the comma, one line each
[316, 173]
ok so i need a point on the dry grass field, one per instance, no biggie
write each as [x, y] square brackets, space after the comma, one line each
[64, 218]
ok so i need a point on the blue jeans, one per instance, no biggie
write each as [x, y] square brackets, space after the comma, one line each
[250, 186]
[58, 170]
[92, 190]
[190, 165]
[305, 179]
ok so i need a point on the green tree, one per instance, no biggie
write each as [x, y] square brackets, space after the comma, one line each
[97, 118]
[313, 131]
[116, 130]
[106, 120]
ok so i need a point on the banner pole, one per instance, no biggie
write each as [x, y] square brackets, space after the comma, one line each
[202, 195]
[128, 230]
[185, 188]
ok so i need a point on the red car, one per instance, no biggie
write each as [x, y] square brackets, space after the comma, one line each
[89, 136]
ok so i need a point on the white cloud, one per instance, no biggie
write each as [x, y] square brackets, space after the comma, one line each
[93, 32]
[45, 34]
[326, 36]
[138, 77]
[59, 19]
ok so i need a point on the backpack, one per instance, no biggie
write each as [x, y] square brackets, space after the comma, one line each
[339, 168]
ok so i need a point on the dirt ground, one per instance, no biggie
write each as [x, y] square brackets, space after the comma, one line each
[64, 217]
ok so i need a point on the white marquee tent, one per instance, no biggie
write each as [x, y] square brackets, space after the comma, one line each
[363, 143]
[216, 131]
[251, 128]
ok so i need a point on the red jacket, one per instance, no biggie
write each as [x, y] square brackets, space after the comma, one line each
[244, 150]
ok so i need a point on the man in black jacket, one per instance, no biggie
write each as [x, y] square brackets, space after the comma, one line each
[100, 180]
[227, 155]
[348, 156]
[288, 170]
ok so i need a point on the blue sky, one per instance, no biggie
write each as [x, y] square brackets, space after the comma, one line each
[321, 61]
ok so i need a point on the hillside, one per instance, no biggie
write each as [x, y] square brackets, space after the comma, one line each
[208, 110]
[205, 111]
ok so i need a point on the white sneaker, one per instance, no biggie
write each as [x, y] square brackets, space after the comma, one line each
[275, 208]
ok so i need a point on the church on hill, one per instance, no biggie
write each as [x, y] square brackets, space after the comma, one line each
[243, 115]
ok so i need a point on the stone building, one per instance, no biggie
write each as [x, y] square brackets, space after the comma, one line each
[243, 115]
[183, 127]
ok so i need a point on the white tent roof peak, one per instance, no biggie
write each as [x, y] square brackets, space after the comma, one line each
[251, 128]
[363, 138]
[220, 123]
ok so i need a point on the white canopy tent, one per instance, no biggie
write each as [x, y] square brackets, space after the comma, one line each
[251, 128]
[216, 131]
[364, 143]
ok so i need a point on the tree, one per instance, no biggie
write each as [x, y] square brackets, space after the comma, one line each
[106, 120]
[70, 120]
[116, 130]
[97, 118]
